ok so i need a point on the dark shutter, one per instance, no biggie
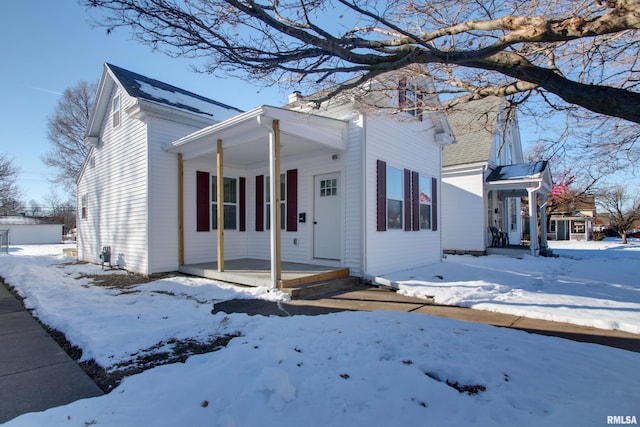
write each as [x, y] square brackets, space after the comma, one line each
[260, 203]
[381, 197]
[406, 183]
[243, 204]
[434, 204]
[292, 200]
[203, 203]
[419, 105]
[415, 200]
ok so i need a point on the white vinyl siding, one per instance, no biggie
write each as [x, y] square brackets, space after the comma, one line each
[163, 194]
[403, 144]
[464, 220]
[117, 195]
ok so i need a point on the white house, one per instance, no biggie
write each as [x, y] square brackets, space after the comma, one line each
[23, 230]
[336, 186]
[484, 180]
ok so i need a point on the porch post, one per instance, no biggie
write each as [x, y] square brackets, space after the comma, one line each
[533, 222]
[274, 172]
[180, 210]
[220, 205]
[543, 225]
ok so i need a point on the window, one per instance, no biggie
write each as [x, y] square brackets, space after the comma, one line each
[514, 214]
[405, 198]
[395, 199]
[410, 98]
[328, 187]
[283, 201]
[230, 200]
[425, 200]
[84, 206]
[115, 111]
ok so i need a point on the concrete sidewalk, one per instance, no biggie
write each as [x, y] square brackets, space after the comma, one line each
[371, 298]
[35, 373]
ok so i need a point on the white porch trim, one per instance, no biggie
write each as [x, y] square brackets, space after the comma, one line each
[243, 140]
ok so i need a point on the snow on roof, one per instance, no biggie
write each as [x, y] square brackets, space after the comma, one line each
[24, 220]
[140, 86]
[518, 171]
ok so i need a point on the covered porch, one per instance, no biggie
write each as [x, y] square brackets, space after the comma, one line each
[515, 182]
[259, 138]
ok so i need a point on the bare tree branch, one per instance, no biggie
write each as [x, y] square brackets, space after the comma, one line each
[66, 129]
[585, 52]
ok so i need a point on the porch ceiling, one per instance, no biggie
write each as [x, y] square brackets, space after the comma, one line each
[245, 137]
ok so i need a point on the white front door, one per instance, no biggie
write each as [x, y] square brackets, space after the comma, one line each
[326, 216]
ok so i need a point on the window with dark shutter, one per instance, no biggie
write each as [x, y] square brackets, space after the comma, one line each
[292, 200]
[425, 202]
[243, 204]
[203, 205]
[434, 203]
[415, 201]
[406, 181]
[260, 203]
[381, 195]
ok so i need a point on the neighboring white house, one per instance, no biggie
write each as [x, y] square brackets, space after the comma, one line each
[484, 181]
[25, 230]
[352, 188]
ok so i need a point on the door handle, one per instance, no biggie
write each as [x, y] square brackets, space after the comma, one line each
[315, 222]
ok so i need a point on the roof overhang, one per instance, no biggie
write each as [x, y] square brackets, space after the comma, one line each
[520, 185]
[245, 136]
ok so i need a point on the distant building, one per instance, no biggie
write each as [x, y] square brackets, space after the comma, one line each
[572, 218]
[24, 230]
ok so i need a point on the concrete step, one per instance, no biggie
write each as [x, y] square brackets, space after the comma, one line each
[322, 287]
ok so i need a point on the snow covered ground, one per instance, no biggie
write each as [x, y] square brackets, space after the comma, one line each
[353, 368]
[591, 283]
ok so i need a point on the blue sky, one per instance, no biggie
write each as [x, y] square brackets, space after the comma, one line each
[47, 46]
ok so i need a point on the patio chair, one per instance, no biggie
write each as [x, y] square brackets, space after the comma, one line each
[495, 236]
[498, 238]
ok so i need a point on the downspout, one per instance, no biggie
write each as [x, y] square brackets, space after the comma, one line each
[363, 196]
[180, 210]
[272, 128]
[220, 203]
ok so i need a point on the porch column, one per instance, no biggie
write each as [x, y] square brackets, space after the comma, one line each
[274, 172]
[180, 210]
[220, 205]
[543, 225]
[533, 222]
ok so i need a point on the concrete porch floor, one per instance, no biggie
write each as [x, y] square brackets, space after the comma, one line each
[257, 272]
[511, 250]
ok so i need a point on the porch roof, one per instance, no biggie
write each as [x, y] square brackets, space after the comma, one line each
[521, 177]
[245, 136]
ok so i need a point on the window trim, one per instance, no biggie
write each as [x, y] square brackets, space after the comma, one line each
[84, 206]
[214, 202]
[283, 202]
[410, 98]
[116, 107]
[399, 173]
[427, 201]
